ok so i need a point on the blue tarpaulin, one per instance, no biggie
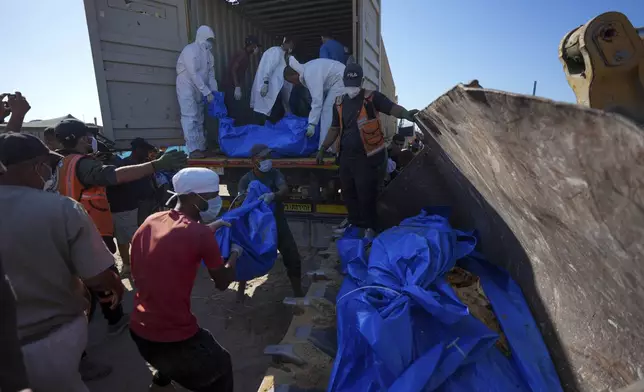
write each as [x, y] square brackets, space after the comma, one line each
[253, 228]
[216, 108]
[402, 328]
[287, 138]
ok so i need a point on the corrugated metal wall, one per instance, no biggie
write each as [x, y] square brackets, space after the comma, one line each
[387, 87]
[230, 30]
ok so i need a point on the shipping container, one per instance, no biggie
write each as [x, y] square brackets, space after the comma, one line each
[135, 45]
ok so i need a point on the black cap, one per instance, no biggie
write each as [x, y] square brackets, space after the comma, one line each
[21, 147]
[251, 40]
[259, 150]
[139, 142]
[71, 129]
[353, 75]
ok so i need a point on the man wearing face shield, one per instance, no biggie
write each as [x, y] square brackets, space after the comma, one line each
[196, 81]
[166, 252]
[269, 81]
[233, 83]
[263, 172]
[361, 140]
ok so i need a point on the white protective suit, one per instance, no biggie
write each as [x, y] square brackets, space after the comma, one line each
[324, 79]
[271, 68]
[195, 80]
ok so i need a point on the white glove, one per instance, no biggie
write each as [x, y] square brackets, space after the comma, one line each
[234, 248]
[238, 94]
[210, 97]
[391, 166]
[310, 130]
[267, 198]
[264, 91]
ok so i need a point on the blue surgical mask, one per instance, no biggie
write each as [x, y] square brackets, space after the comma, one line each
[265, 166]
[211, 213]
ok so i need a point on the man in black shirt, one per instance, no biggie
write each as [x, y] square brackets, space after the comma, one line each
[361, 147]
[125, 198]
[264, 172]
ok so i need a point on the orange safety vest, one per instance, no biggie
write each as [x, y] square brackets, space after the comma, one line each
[373, 139]
[94, 198]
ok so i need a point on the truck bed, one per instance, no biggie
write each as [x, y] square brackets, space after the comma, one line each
[278, 163]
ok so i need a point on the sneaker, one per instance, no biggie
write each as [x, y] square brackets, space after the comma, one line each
[197, 154]
[342, 228]
[342, 225]
[92, 371]
[116, 329]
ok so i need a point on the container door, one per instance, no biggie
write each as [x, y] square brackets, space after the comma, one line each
[369, 43]
[135, 45]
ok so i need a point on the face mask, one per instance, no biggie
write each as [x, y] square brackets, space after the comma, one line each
[208, 45]
[209, 215]
[256, 51]
[352, 92]
[265, 166]
[94, 144]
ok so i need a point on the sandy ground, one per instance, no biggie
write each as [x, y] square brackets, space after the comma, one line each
[242, 329]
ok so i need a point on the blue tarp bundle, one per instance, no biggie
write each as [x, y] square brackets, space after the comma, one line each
[253, 228]
[287, 138]
[217, 108]
[402, 328]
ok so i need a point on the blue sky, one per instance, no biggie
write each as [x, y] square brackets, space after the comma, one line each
[432, 45]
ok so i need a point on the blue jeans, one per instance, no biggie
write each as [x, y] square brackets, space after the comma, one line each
[199, 363]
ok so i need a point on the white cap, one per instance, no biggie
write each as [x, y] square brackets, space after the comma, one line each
[194, 180]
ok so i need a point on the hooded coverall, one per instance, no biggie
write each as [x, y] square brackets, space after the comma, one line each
[323, 78]
[271, 68]
[195, 80]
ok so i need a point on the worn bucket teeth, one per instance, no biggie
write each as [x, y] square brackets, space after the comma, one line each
[328, 252]
[284, 353]
[292, 388]
[311, 340]
[324, 339]
[317, 290]
[318, 275]
[298, 302]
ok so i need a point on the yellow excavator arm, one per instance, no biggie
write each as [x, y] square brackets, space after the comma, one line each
[604, 64]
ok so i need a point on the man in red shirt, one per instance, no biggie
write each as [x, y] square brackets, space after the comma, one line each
[166, 252]
[234, 78]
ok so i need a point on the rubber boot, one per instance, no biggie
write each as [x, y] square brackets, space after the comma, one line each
[296, 285]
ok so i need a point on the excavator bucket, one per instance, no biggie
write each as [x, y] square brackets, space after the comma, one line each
[556, 194]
